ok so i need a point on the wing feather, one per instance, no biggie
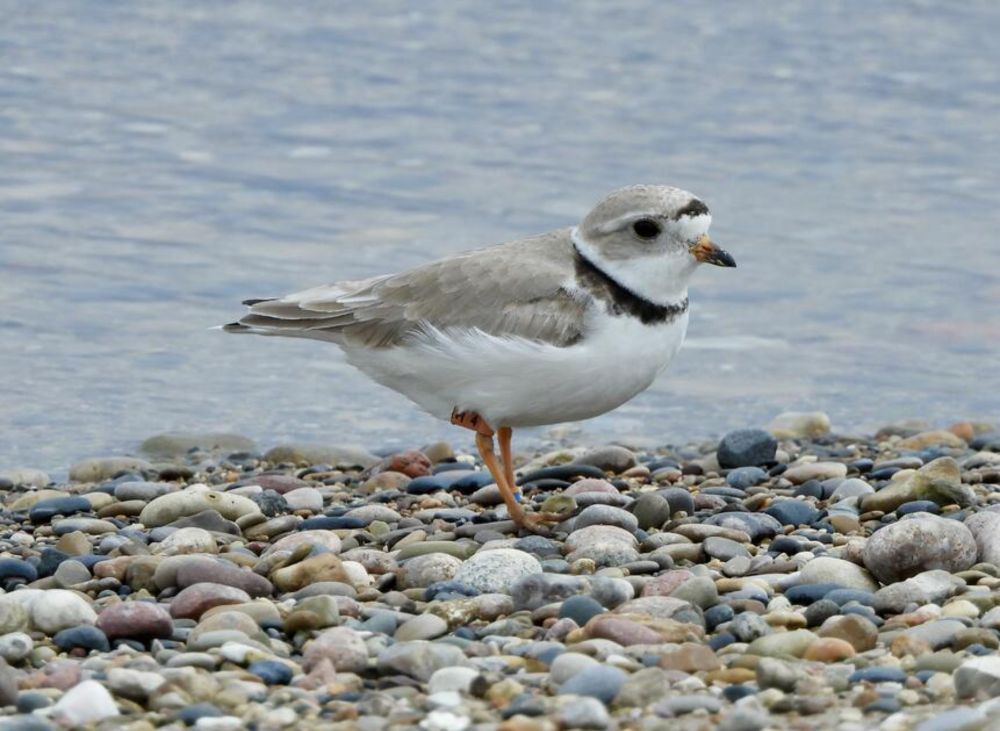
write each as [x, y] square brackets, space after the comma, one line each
[512, 290]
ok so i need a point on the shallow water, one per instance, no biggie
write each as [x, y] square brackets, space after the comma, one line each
[164, 160]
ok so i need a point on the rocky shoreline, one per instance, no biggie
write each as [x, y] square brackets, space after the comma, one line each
[786, 577]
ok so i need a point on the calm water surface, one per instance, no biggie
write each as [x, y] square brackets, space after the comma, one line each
[163, 160]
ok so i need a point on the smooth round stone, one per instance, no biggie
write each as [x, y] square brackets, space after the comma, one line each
[793, 512]
[853, 487]
[956, 719]
[90, 526]
[189, 715]
[610, 591]
[843, 596]
[829, 570]
[536, 590]
[724, 548]
[468, 483]
[329, 522]
[14, 616]
[451, 680]
[61, 609]
[651, 511]
[606, 515]
[877, 675]
[537, 546]
[854, 629]
[85, 636]
[343, 647]
[728, 494]
[809, 593]
[586, 499]
[321, 538]
[272, 672]
[820, 611]
[451, 589]
[270, 502]
[201, 569]
[139, 490]
[15, 568]
[747, 627]
[756, 525]
[918, 506]
[431, 568]
[917, 543]
[495, 571]
[419, 659]
[15, 646]
[829, 649]
[189, 540]
[797, 474]
[978, 676]
[29, 703]
[422, 627]
[583, 713]
[742, 478]
[746, 448]
[373, 512]
[562, 472]
[70, 573]
[192, 500]
[679, 499]
[585, 538]
[719, 614]
[137, 620]
[792, 643]
[685, 704]
[601, 682]
[567, 664]
[304, 498]
[87, 702]
[44, 510]
[580, 609]
[195, 600]
[811, 488]
[611, 458]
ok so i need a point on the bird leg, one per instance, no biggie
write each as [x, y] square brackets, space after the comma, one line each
[504, 434]
[502, 472]
[485, 445]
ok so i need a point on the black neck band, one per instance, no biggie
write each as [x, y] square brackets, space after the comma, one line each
[620, 299]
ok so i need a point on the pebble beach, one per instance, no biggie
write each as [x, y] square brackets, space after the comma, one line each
[788, 576]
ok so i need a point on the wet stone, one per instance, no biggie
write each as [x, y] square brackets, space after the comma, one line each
[44, 510]
[746, 448]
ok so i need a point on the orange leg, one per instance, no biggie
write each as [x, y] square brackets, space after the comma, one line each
[504, 434]
[503, 473]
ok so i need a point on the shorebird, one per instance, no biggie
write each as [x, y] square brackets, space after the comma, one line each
[558, 327]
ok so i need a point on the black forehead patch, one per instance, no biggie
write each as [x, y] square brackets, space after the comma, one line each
[694, 208]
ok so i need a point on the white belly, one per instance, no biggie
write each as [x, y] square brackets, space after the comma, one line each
[514, 382]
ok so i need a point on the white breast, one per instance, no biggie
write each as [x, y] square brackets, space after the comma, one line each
[516, 382]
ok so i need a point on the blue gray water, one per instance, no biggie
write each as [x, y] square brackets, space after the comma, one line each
[163, 160]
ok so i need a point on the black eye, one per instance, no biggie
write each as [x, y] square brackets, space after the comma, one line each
[646, 228]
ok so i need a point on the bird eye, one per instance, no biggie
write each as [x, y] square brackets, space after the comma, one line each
[646, 228]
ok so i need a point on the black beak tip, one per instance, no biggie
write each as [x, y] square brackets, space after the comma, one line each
[724, 259]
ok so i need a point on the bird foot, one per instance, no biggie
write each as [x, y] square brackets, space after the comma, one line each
[536, 522]
[472, 421]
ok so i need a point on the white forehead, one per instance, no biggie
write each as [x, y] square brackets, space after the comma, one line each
[690, 228]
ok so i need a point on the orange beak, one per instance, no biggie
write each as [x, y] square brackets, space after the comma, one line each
[708, 253]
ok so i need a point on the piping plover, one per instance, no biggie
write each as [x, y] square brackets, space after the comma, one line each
[558, 327]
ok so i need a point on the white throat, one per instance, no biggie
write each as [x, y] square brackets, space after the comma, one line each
[662, 280]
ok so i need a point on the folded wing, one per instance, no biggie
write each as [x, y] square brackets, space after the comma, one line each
[511, 290]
